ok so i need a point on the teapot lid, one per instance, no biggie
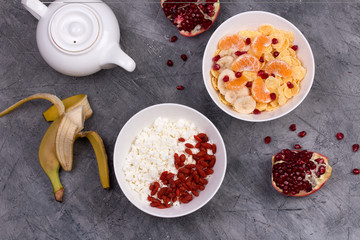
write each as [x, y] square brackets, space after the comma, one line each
[74, 28]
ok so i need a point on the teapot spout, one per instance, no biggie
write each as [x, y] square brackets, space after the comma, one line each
[35, 7]
[114, 55]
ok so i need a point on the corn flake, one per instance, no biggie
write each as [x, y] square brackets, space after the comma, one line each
[272, 83]
[266, 29]
[295, 90]
[249, 34]
[214, 73]
[261, 106]
[289, 35]
[214, 83]
[222, 99]
[298, 73]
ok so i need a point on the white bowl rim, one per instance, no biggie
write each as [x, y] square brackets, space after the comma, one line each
[117, 166]
[234, 114]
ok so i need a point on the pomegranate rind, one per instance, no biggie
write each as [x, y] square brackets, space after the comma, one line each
[321, 183]
[195, 31]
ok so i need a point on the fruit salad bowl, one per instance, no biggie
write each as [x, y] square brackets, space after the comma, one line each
[145, 118]
[251, 21]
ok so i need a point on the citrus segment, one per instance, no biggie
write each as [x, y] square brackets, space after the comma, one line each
[237, 83]
[259, 91]
[231, 42]
[246, 62]
[259, 44]
[278, 67]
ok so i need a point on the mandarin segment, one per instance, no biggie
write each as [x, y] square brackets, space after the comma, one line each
[278, 67]
[231, 42]
[237, 83]
[259, 44]
[246, 62]
[259, 91]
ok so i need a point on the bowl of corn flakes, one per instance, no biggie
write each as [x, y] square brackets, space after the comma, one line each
[257, 66]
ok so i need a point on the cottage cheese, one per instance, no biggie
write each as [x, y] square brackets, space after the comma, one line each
[153, 152]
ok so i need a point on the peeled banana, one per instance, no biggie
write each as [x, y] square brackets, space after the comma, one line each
[56, 147]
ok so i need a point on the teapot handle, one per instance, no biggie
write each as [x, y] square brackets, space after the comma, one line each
[35, 7]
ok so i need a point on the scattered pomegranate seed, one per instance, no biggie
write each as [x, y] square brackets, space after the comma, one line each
[239, 53]
[339, 136]
[267, 140]
[356, 171]
[273, 75]
[261, 59]
[173, 39]
[216, 67]
[183, 57]
[292, 127]
[248, 41]
[274, 41]
[302, 134]
[355, 147]
[249, 84]
[295, 47]
[289, 84]
[216, 58]
[238, 74]
[226, 78]
[181, 139]
[297, 146]
[180, 87]
[170, 63]
[265, 76]
[276, 53]
[261, 72]
[256, 111]
[273, 96]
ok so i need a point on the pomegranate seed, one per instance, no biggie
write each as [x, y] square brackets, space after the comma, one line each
[276, 53]
[265, 76]
[183, 57]
[356, 171]
[289, 84]
[260, 73]
[292, 127]
[355, 147]
[274, 41]
[302, 134]
[297, 146]
[238, 74]
[295, 47]
[180, 87]
[248, 41]
[273, 75]
[239, 53]
[216, 58]
[267, 140]
[249, 84]
[170, 63]
[226, 78]
[273, 96]
[216, 67]
[261, 59]
[173, 39]
[256, 111]
[339, 136]
[181, 140]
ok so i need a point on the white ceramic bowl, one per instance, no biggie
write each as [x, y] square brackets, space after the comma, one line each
[251, 21]
[145, 118]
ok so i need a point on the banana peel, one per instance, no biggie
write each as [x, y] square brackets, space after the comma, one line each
[56, 147]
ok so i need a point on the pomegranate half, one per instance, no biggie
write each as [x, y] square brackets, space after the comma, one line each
[299, 173]
[191, 17]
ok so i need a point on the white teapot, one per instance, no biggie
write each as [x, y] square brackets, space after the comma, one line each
[78, 37]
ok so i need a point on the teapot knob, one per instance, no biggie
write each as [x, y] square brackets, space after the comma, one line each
[35, 7]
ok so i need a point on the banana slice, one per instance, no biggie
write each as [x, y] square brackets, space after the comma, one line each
[232, 95]
[225, 62]
[221, 86]
[245, 104]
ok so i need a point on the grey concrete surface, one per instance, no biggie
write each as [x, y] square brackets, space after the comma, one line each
[246, 206]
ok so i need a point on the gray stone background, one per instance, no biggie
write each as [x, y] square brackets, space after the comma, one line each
[246, 206]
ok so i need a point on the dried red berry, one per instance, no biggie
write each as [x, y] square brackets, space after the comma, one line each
[274, 41]
[173, 39]
[292, 127]
[273, 96]
[256, 111]
[238, 74]
[216, 67]
[267, 139]
[226, 78]
[339, 136]
[297, 146]
[248, 41]
[183, 57]
[295, 47]
[180, 87]
[170, 63]
[356, 171]
[302, 134]
[355, 147]
[216, 58]
[276, 53]
[249, 84]
[289, 84]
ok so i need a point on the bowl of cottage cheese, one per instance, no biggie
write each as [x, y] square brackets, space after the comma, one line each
[148, 173]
